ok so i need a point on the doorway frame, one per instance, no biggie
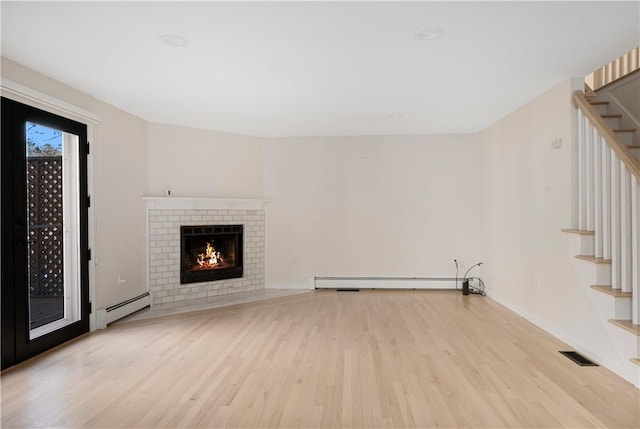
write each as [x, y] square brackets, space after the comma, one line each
[20, 93]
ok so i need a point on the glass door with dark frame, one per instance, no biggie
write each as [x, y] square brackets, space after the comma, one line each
[44, 231]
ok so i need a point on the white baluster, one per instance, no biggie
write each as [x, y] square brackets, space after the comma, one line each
[597, 168]
[635, 249]
[615, 220]
[582, 175]
[625, 230]
[589, 177]
[606, 199]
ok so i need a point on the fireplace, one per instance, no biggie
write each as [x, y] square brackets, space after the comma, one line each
[210, 252]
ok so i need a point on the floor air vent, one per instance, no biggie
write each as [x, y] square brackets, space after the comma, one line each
[347, 290]
[579, 359]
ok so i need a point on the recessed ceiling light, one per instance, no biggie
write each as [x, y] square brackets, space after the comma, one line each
[173, 40]
[430, 34]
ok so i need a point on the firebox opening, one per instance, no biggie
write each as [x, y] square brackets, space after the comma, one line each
[210, 252]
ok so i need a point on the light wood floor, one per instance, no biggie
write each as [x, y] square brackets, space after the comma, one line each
[320, 359]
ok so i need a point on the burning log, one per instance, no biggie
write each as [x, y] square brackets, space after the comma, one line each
[211, 258]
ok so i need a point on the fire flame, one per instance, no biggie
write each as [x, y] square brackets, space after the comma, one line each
[211, 258]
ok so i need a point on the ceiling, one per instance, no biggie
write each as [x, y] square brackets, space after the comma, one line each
[318, 68]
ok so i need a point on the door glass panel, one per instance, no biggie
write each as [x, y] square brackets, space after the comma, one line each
[52, 241]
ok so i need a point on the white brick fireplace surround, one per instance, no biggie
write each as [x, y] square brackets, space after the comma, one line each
[165, 215]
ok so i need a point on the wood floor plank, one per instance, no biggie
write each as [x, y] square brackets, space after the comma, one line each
[387, 359]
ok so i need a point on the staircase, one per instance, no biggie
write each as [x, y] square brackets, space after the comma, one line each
[614, 116]
[605, 245]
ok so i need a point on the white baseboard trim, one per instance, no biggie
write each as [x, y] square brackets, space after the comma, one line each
[115, 312]
[574, 343]
[386, 283]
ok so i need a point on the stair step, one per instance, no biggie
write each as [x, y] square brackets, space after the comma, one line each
[578, 231]
[636, 361]
[625, 135]
[627, 325]
[612, 120]
[618, 116]
[600, 106]
[617, 293]
[595, 260]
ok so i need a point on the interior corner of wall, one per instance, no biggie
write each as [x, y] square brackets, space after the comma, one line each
[576, 83]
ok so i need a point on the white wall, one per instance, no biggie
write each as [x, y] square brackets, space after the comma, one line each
[370, 206]
[363, 206]
[119, 174]
[359, 206]
[201, 163]
[526, 201]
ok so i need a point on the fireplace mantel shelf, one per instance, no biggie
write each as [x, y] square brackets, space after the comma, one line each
[204, 203]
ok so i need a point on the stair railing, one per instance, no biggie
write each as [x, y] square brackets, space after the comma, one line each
[615, 70]
[609, 198]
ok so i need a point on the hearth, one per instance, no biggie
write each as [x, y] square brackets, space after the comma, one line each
[210, 252]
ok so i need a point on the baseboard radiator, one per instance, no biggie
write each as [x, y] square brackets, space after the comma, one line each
[118, 311]
[435, 283]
